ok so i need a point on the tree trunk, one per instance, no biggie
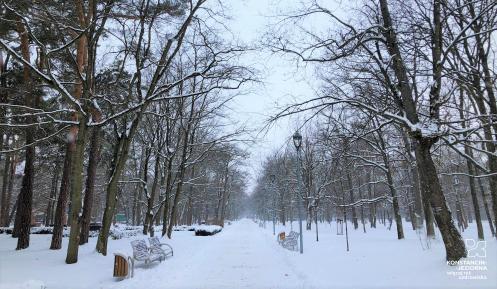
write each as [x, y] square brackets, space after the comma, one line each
[308, 216]
[189, 211]
[134, 209]
[485, 205]
[79, 134]
[432, 191]
[395, 204]
[428, 213]
[418, 201]
[144, 178]
[91, 173]
[363, 222]
[412, 215]
[11, 215]
[415, 187]
[4, 206]
[189, 218]
[76, 186]
[167, 194]
[53, 195]
[120, 157]
[351, 192]
[139, 208]
[60, 210]
[10, 188]
[3, 99]
[26, 197]
[5, 184]
[218, 205]
[316, 222]
[282, 209]
[224, 196]
[391, 186]
[179, 187]
[148, 226]
[372, 206]
[23, 214]
[474, 198]
[471, 172]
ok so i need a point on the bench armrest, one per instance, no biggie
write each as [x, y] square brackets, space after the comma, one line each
[169, 246]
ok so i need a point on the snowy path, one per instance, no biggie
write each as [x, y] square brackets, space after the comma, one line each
[241, 256]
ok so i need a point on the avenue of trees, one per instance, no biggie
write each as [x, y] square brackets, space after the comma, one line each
[121, 107]
[117, 107]
[403, 124]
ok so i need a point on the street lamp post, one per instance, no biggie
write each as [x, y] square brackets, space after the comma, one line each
[272, 177]
[297, 141]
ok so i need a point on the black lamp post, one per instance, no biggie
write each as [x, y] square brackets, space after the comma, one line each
[297, 141]
[271, 179]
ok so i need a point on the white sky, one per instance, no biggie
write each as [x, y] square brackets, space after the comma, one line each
[282, 81]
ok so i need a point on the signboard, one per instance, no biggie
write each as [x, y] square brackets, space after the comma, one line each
[120, 218]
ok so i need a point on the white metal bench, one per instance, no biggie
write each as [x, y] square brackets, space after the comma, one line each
[290, 241]
[141, 252]
[156, 247]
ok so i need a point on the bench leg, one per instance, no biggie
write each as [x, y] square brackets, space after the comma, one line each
[131, 263]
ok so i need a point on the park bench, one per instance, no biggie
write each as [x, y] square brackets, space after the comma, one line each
[142, 253]
[156, 247]
[290, 241]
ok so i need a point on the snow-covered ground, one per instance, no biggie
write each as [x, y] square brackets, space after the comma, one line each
[244, 255]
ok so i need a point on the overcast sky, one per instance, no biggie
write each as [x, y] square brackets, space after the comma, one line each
[282, 83]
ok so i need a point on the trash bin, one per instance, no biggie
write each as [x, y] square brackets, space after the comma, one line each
[281, 237]
[121, 266]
